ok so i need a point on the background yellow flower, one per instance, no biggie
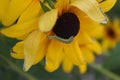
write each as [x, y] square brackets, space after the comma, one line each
[108, 34]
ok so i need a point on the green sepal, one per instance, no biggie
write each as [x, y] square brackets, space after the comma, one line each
[45, 8]
[51, 3]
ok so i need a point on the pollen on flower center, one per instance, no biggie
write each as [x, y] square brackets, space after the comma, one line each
[111, 33]
[67, 25]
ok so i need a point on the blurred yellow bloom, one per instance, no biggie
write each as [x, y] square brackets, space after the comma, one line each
[59, 34]
[108, 34]
[111, 34]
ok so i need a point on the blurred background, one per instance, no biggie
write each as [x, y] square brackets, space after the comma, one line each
[109, 69]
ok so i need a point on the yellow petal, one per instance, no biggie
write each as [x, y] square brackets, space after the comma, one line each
[82, 68]
[62, 6]
[3, 7]
[98, 32]
[108, 44]
[21, 29]
[96, 47]
[91, 8]
[105, 45]
[67, 65]
[84, 38]
[83, 18]
[112, 44]
[22, 37]
[48, 20]
[88, 55]
[116, 28]
[32, 11]
[107, 4]
[73, 52]
[15, 8]
[89, 26]
[116, 25]
[18, 51]
[98, 0]
[44, 41]
[31, 49]
[54, 56]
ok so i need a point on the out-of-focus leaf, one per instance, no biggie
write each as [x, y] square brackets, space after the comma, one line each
[115, 11]
[39, 71]
[19, 63]
[1, 26]
[6, 44]
[6, 73]
[113, 60]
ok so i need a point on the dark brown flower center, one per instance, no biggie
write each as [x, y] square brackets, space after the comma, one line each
[111, 33]
[67, 25]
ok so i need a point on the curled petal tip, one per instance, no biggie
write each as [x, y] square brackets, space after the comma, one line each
[24, 69]
[105, 21]
[12, 52]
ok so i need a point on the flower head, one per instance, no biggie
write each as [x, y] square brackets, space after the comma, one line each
[55, 35]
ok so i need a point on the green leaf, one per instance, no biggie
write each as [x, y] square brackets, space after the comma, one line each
[39, 71]
[6, 44]
[1, 26]
[113, 60]
[15, 68]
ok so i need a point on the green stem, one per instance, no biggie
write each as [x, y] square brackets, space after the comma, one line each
[105, 72]
[18, 70]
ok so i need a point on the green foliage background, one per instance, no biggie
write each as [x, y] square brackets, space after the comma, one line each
[11, 69]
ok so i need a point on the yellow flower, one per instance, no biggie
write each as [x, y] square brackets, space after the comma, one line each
[60, 33]
[109, 34]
